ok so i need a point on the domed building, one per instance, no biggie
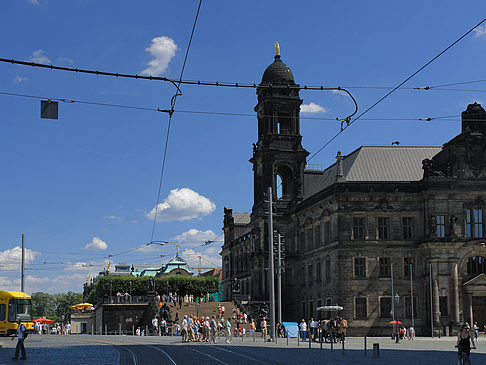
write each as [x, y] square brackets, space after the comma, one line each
[176, 266]
[386, 232]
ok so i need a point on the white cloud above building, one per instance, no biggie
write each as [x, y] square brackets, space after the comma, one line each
[312, 108]
[181, 205]
[96, 244]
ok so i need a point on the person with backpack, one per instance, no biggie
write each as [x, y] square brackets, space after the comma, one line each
[21, 336]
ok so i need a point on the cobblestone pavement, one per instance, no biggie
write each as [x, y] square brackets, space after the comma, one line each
[59, 350]
[129, 350]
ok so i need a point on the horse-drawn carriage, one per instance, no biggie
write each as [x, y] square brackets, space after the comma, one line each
[333, 329]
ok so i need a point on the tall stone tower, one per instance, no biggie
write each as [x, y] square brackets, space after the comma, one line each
[278, 156]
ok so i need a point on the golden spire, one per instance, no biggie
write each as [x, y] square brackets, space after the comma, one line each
[87, 280]
[177, 247]
[277, 48]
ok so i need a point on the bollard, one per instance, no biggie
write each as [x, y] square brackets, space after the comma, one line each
[342, 341]
[298, 338]
[287, 337]
[119, 329]
[376, 350]
[310, 341]
[365, 346]
[133, 328]
[332, 342]
[146, 330]
[106, 329]
[320, 337]
[92, 330]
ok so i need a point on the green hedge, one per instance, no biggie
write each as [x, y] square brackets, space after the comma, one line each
[182, 285]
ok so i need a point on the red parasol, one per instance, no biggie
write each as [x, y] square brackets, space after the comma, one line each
[394, 322]
[43, 321]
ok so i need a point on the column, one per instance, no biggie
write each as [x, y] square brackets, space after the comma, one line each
[436, 302]
[454, 295]
[469, 309]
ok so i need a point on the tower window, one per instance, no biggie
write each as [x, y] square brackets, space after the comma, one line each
[283, 182]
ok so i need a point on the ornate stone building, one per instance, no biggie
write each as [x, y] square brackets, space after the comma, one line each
[376, 213]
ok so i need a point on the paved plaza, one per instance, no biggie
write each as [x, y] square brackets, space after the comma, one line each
[129, 350]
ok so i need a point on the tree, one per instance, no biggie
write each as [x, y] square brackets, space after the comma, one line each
[53, 306]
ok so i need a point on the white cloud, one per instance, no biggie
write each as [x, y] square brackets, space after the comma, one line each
[113, 218]
[162, 50]
[96, 244]
[339, 92]
[83, 266]
[480, 31]
[35, 2]
[39, 57]
[312, 108]
[65, 59]
[18, 79]
[181, 205]
[194, 235]
[10, 259]
[210, 257]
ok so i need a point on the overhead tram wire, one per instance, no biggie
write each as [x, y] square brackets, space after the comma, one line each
[207, 112]
[172, 106]
[384, 97]
[395, 88]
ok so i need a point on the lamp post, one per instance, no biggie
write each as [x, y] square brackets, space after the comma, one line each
[397, 300]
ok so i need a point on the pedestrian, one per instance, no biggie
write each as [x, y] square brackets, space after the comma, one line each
[68, 328]
[228, 331]
[252, 328]
[21, 334]
[185, 329]
[476, 330]
[155, 325]
[412, 333]
[222, 311]
[303, 329]
[263, 325]
[213, 325]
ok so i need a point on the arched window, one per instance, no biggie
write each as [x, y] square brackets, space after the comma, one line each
[283, 182]
[476, 265]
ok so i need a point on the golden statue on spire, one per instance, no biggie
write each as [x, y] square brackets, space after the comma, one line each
[277, 48]
[177, 248]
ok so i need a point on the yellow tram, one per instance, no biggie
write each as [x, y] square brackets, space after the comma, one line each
[13, 305]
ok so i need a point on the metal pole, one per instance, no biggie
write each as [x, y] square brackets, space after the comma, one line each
[270, 265]
[411, 294]
[22, 280]
[431, 314]
[365, 345]
[279, 280]
[392, 301]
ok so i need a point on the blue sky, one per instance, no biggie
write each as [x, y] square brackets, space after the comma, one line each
[82, 188]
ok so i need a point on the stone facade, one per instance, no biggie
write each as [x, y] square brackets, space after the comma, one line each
[411, 214]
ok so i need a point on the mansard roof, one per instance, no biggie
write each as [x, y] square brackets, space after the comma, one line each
[374, 164]
[241, 218]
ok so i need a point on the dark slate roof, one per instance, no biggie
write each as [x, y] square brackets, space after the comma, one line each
[375, 164]
[241, 218]
[278, 73]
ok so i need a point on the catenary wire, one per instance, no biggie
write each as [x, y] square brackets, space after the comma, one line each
[204, 112]
[172, 106]
[343, 128]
